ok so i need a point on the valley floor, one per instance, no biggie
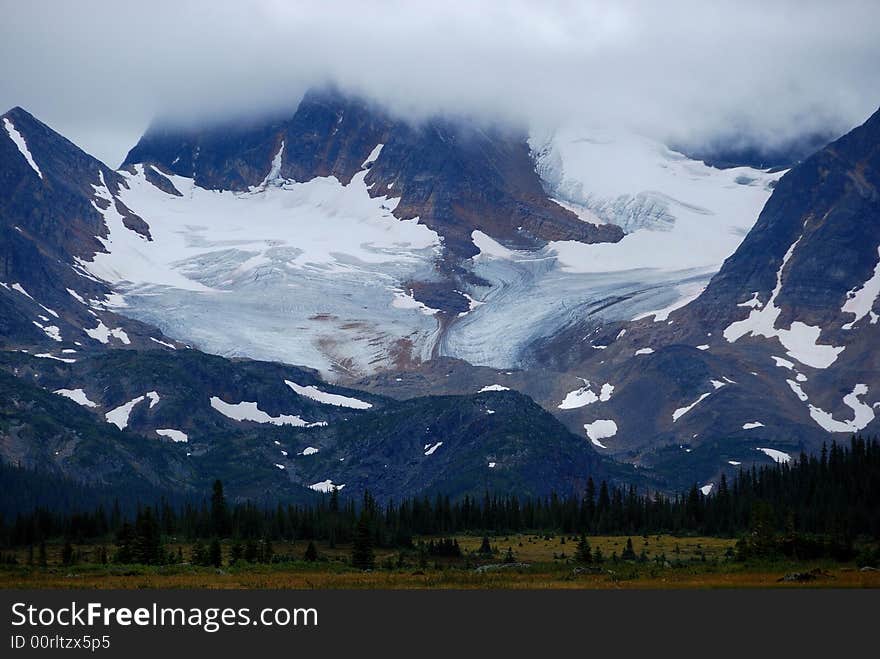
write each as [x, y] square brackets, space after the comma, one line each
[541, 562]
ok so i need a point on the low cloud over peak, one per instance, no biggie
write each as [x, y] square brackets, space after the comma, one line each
[750, 74]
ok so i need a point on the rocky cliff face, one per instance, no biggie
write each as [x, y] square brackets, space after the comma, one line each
[452, 176]
[818, 233]
[51, 199]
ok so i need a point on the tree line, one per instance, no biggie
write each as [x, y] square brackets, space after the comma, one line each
[833, 494]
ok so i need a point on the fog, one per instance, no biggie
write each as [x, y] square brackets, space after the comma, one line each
[747, 73]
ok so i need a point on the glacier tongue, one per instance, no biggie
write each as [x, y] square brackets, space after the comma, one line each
[304, 273]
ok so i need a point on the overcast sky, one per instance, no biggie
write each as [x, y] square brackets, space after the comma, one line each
[755, 72]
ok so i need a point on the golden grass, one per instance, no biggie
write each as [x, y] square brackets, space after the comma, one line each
[547, 569]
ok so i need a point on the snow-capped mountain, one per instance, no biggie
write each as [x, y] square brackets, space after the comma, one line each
[431, 260]
[384, 244]
[776, 356]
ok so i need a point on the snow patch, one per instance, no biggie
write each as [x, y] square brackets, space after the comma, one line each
[798, 391]
[493, 387]
[681, 411]
[800, 340]
[586, 396]
[328, 399]
[600, 429]
[863, 413]
[17, 137]
[46, 355]
[249, 411]
[778, 456]
[118, 416]
[18, 287]
[433, 448]
[326, 486]
[103, 333]
[173, 435]
[77, 396]
[859, 302]
[374, 155]
[51, 331]
[752, 424]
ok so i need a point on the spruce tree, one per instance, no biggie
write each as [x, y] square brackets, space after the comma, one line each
[67, 553]
[236, 552]
[311, 554]
[215, 553]
[219, 511]
[148, 539]
[583, 554]
[362, 551]
[125, 544]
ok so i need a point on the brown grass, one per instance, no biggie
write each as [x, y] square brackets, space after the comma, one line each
[547, 569]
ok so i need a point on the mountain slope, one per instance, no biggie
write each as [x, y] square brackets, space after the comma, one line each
[53, 197]
[777, 355]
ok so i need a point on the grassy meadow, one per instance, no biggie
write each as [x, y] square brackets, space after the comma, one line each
[539, 561]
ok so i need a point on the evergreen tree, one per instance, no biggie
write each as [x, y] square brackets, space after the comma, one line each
[362, 551]
[148, 540]
[215, 553]
[311, 554]
[67, 554]
[251, 551]
[236, 552]
[219, 511]
[629, 553]
[583, 554]
[485, 548]
[125, 544]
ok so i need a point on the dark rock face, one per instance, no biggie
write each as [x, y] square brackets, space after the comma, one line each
[830, 203]
[455, 178]
[48, 222]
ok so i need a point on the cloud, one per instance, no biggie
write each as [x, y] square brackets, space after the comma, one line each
[692, 73]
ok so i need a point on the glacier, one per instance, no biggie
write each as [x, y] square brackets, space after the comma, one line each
[318, 273]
